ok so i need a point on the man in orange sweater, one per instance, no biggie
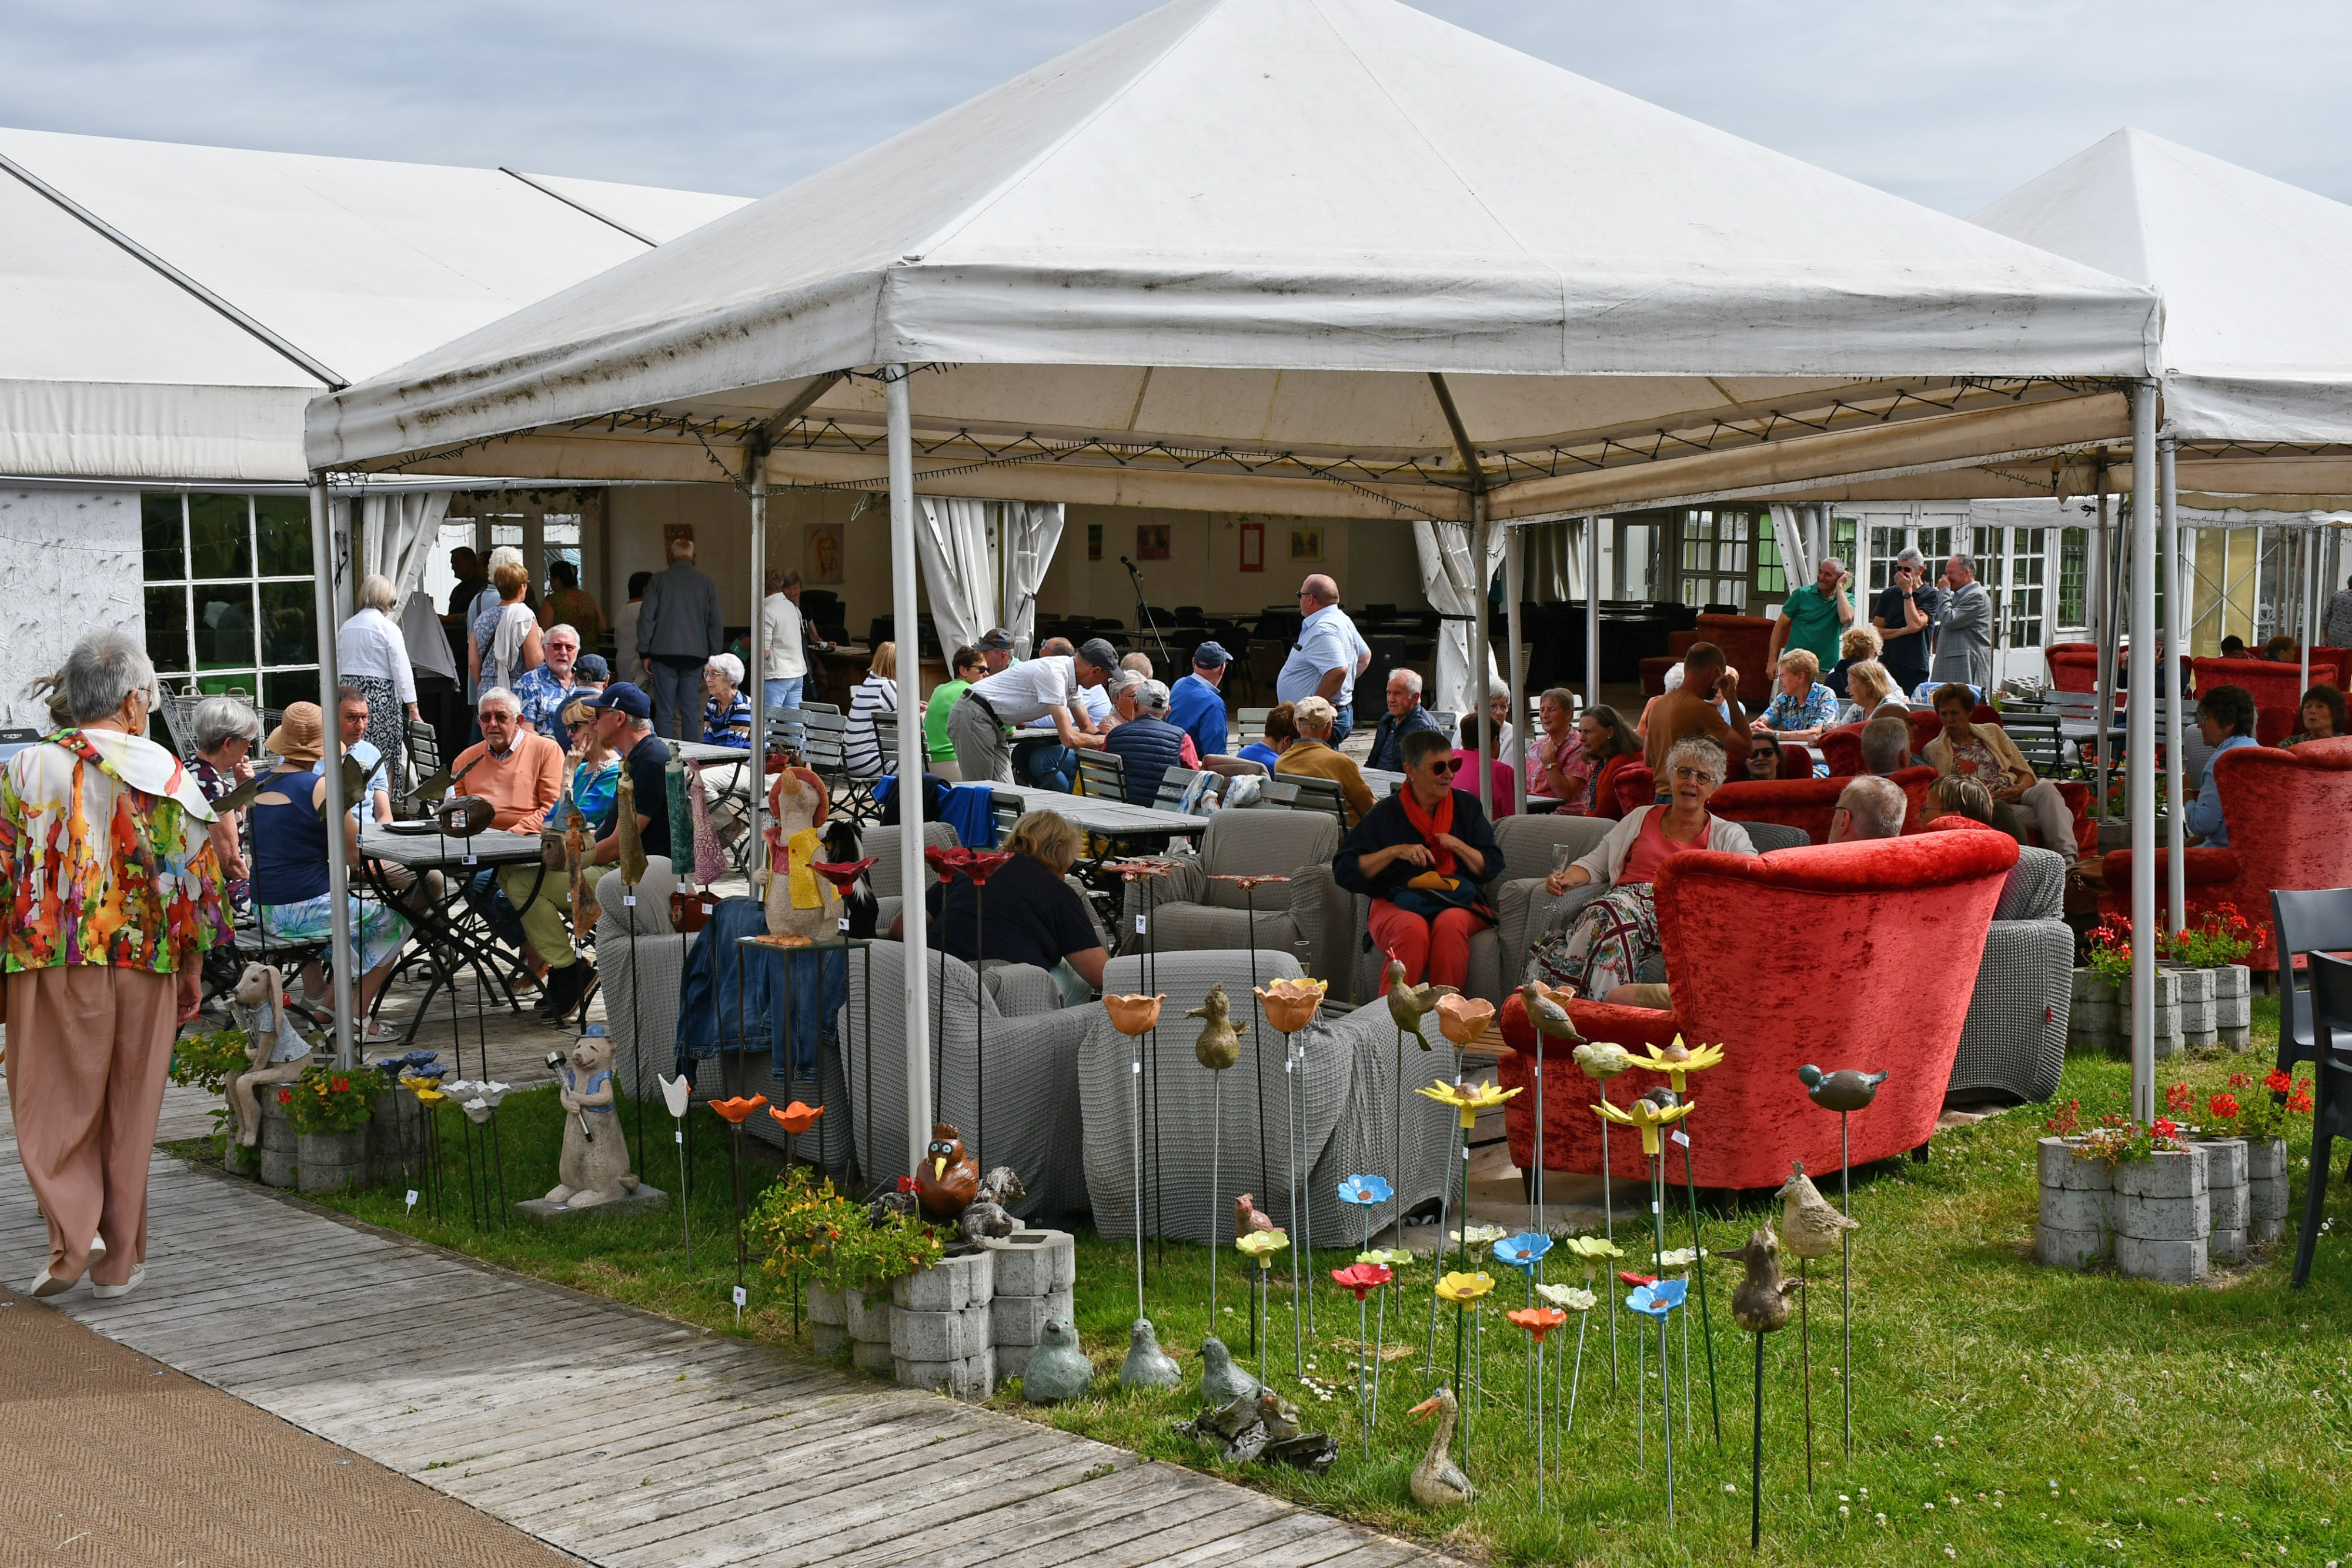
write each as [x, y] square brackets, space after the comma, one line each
[521, 775]
[1690, 709]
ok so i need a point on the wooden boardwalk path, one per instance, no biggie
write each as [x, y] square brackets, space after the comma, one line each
[625, 1438]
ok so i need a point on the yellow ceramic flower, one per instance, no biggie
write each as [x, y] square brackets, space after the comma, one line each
[1463, 1289]
[1393, 1256]
[1646, 1115]
[1467, 1098]
[1263, 1245]
[1679, 1060]
[1567, 1297]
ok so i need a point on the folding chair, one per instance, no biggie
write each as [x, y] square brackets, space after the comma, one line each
[2331, 1096]
[1102, 774]
[1319, 795]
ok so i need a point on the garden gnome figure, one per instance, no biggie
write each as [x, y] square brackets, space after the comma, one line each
[273, 1045]
[595, 1165]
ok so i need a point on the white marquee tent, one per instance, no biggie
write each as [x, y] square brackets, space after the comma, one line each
[1300, 256]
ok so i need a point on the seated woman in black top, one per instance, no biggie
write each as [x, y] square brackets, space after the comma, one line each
[1034, 916]
[1423, 856]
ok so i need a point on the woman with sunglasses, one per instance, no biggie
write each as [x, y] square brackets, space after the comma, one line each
[1617, 933]
[1423, 856]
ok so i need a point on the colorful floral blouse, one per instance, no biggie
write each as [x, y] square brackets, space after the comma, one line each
[106, 857]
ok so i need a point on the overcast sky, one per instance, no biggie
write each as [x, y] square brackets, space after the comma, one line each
[1947, 104]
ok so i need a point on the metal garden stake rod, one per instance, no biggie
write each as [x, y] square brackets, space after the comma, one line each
[1844, 1092]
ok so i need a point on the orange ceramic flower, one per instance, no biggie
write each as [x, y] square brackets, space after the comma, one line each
[796, 1117]
[1132, 1015]
[1290, 1004]
[1463, 1020]
[1138, 869]
[735, 1110]
[1538, 1320]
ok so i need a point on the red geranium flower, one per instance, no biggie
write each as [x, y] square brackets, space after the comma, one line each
[2164, 1127]
[2300, 1101]
[285, 1096]
[905, 1184]
[2240, 1081]
[2222, 1107]
[2178, 1100]
[2278, 1082]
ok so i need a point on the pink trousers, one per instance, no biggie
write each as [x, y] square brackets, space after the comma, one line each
[88, 1048]
[1435, 949]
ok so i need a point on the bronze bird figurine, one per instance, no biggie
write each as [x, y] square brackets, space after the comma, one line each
[1220, 1045]
[1408, 1005]
[624, 830]
[1848, 1089]
[1809, 1223]
[1759, 1304]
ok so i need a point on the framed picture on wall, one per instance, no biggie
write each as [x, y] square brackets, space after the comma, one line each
[821, 555]
[1253, 546]
[1093, 541]
[1151, 541]
[1306, 542]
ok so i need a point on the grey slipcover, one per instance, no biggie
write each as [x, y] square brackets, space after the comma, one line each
[2014, 1041]
[1191, 913]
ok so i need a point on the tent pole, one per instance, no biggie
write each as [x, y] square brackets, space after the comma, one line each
[1483, 654]
[2176, 623]
[2102, 632]
[2139, 747]
[1514, 545]
[755, 679]
[2310, 587]
[1592, 610]
[910, 759]
[339, 871]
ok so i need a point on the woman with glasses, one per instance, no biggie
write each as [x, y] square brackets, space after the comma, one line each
[1611, 746]
[1423, 856]
[1616, 934]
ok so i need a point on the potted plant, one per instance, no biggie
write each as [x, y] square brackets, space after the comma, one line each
[2259, 1114]
[799, 1222]
[2217, 944]
[2136, 1193]
[207, 1061]
[330, 1109]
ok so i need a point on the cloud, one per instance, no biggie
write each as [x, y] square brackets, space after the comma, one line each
[1948, 104]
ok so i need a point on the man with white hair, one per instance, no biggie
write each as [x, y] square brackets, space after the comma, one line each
[1814, 617]
[1963, 629]
[1907, 607]
[1326, 658]
[1143, 739]
[1404, 716]
[548, 686]
[679, 628]
[1868, 808]
[520, 774]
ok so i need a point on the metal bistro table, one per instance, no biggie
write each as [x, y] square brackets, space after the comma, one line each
[447, 943]
[1109, 819]
[786, 951]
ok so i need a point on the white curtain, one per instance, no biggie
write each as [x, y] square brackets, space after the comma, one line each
[1455, 584]
[1032, 531]
[399, 532]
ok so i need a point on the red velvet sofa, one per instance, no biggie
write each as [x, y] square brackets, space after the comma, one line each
[2073, 666]
[1894, 919]
[1803, 804]
[2277, 690]
[2290, 816]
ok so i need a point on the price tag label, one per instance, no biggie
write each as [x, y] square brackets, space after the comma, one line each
[1654, 1206]
[628, 901]
[678, 1134]
[1138, 924]
[742, 1296]
[1680, 1136]
[1136, 1068]
[845, 923]
[467, 861]
[412, 1201]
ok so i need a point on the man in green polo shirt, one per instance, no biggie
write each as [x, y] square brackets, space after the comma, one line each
[1814, 617]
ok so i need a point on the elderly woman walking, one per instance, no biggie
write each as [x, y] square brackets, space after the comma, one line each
[1617, 933]
[108, 870]
[372, 656]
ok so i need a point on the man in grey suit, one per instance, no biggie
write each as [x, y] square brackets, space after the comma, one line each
[1963, 629]
[679, 630]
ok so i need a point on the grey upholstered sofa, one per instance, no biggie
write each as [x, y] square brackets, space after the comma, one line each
[1190, 912]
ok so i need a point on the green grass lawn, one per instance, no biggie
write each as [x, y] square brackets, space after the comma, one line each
[2004, 1412]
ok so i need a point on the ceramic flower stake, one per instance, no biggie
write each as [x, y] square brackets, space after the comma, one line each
[735, 1110]
[1362, 1279]
[1218, 1048]
[1571, 1297]
[1248, 884]
[677, 1093]
[1467, 1100]
[1844, 1091]
[1148, 871]
[1601, 1062]
[1464, 1290]
[1809, 1228]
[1678, 1061]
[1393, 1259]
[1759, 1305]
[1261, 1245]
[1538, 1322]
[1408, 1005]
[1656, 1302]
[1133, 1015]
[1289, 1005]
[1548, 1011]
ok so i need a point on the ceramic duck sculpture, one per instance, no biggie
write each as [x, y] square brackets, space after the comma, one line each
[1058, 1369]
[1220, 1045]
[1222, 1382]
[1437, 1481]
[1809, 1223]
[1759, 1304]
[1148, 1365]
[950, 1178]
[1848, 1089]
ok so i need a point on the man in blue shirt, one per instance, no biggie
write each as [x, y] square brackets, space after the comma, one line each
[1328, 656]
[1405, 715]
[1196, 705]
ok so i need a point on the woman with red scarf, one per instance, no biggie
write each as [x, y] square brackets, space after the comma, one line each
[1423, 856]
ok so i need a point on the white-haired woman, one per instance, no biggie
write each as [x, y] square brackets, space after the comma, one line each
[1617, 933]
[372, 655]
[225, 731]
[727, 715]
[106, 857]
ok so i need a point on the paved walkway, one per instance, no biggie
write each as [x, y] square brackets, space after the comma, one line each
[625, 1438]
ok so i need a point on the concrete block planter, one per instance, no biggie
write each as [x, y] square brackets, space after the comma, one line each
[2072, 1231]
[2163, 1217]
[2265, 1191]
[974, 1378]
[941, 1324]
[277, 1145]
[395, 1136]
[957, 1282]
[2225, 1187]
[2090, 1021]
[939, 1336]
[2196, 1005]
[828, 1320]
[2233, 1005]
[2167, 1012]
[870, 1329]
[330, 1161]
[1020, 1321]
[1036, 1270]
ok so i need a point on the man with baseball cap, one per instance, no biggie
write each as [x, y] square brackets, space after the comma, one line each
[1143, 739]
[1196, 705]
[996, 647]
[1046, 687]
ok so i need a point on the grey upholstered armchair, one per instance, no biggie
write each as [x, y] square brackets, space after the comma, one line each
[2014, 1042]
[1190, 911]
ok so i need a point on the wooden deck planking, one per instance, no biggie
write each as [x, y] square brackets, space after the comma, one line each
[707, 1451]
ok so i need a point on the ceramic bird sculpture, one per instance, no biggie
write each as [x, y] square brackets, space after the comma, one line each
[1408, 1005]
[1809, 1223]
[950, 1178]
[1288, 1440]
[1437, 1481]
[1759, 1304]
[1548, 1011]
[625, 830]
[1246, 1218]
[1220, 1045]
[1222, 1382]
[1601, 1060]
[1057, 1369]
[1148, 1365]
[1848, 1089]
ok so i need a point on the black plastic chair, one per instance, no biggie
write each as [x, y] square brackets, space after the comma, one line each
[2312, 922]
[2331, 1083]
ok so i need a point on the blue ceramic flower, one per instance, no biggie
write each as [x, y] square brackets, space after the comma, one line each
[1364, 1191]
[1660, 1299]
[1524, 1250]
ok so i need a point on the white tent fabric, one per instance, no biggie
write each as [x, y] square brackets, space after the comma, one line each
[1628, 305]
[1796, 561]
[399, 533]
[1032, 531]
[959, 568]
[1451, 578]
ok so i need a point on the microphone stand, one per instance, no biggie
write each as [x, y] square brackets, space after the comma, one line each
[1143, 620]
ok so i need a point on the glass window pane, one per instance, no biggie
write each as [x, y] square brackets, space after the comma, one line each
[280, 687]
[164, 551]
[220, 536]
[235, 684]
[223, 626]
[283, 525]
[167, 628]
[290, 616]
[505, 533]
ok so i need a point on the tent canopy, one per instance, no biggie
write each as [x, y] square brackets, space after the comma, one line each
[113, 368]
[1211, 260]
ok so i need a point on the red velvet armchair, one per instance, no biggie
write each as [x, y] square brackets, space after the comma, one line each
[1804, 803]
[2073, 666]
[1744, 640]
[2288, 813]
[2277, 690]
[1894, 919]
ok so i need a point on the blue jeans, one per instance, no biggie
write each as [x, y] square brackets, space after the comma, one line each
[677, 701]
[1045, 765]
[781, 694]
[1343, 725]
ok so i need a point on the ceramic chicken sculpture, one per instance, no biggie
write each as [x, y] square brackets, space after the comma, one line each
[1437, 1481]
[1760, 1304]
[1408, 1005]
[950, 1178]
[1220, 1045]
[1848, 1089]
[1246, 1218]
[800, 903]
[1809, 1223]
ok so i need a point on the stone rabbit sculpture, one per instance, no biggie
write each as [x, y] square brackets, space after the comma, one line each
[273, 1045]
[595, 1165]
